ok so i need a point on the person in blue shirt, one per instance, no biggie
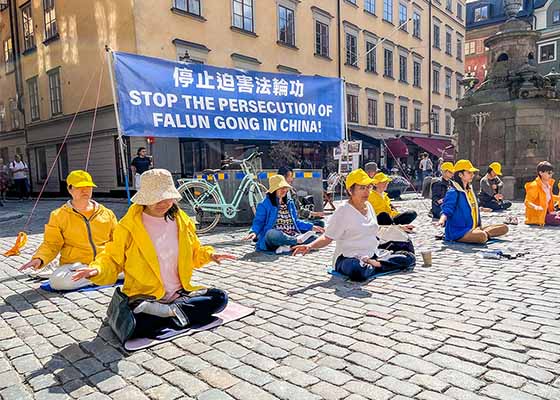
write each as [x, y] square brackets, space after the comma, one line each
[276, 226]
[460, 212]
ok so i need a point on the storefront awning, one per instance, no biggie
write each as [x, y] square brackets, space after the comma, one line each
[397, 148]
[437, 147]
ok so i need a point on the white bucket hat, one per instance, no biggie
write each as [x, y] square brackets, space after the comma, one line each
[155, 185]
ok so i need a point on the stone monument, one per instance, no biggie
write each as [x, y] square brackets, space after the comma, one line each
[514, 116]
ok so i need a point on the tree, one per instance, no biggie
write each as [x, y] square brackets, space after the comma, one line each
[283, 153]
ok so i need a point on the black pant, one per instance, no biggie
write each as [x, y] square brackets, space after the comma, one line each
[403, 218]
[358, 272]
[494, 204]
[21, 187]
[198, 309]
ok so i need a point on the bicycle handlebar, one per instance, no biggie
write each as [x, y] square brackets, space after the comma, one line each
[231, 160]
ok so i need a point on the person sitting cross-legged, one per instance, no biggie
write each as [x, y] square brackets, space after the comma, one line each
[386, 213]
[276, 226]
[156, 247]
[354, 228]
[440, 187]
[490, 187]
[78, 231]
[539, 198]
[460, 213]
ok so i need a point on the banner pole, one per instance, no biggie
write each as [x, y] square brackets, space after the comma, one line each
[119, 129]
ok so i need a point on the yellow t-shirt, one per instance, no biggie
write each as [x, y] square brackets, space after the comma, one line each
[381, 203]
[474, 211]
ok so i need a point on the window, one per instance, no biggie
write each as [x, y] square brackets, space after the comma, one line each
[41, 157]
[437, 44]
[28, 34]
[458, 88]
[481, 13]
[14, 113]
[435, 121]
[352, 104]
[389, 115]
[51, 28]
[33, 99]
[448, 83]
[459, 11]
[388, 10]
[351, 49]
[416, 25]
[403, 72]
[404, 117]
[8, 55]
[556, 17]
[371, 58]
[286, 26]
[388, 63]
[547, 52]
[321, 39]
[243, 15]
[3, 120]
[447, 124]
[369, 6]
[448, 39]
[55, 91]
[417, 74]
[459, 49]
[449, 5]
[435, 81]
[470, 48]
[403, 16]
[372, 111]
[189, 6]
[417, 119]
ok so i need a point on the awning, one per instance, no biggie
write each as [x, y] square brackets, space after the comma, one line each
[397, 148]
[437, 147]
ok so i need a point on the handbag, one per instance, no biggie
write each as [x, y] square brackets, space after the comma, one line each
[120, 316]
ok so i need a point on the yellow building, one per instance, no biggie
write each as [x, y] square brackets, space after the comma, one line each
[408, 80]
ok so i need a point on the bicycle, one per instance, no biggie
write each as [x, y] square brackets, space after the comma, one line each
[204, 201]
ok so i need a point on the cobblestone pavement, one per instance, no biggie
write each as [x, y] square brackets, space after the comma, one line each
[466, 328]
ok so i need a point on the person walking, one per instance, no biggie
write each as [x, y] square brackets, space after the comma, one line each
[4, 181]
[490, 187]
[426, 166]
[140, 164]
[19, 169]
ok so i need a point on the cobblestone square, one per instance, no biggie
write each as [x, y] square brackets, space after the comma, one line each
[466, 328]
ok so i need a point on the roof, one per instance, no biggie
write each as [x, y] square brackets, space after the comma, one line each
[496, 12]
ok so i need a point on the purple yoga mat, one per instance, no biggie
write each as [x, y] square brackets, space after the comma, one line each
[233, 311]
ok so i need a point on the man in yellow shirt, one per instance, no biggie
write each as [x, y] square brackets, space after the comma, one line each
[379, 199]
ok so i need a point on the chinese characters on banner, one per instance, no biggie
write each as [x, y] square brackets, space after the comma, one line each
[165, 98]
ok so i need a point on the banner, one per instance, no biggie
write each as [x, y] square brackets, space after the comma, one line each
[175, 99]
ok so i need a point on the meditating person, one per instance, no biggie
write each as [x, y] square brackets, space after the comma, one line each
[354, 228]
[440, 187]
[460, 214]
[78, 231]
[384, 210]
[305, 211]
[276, 226]
[156, 246]
[491, 185]
[539, 199]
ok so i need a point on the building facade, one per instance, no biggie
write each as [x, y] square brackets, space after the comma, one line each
[402, 62]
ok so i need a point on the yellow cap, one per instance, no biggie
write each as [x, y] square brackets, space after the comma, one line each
[380, 177]
[464, 165]
[79, 178]
[277, 182]
[496, 167]
[358, 177]
[447, 166]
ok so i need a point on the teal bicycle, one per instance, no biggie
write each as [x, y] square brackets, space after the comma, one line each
[203, 200]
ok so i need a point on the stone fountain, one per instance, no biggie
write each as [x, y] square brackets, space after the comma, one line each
[514, 116]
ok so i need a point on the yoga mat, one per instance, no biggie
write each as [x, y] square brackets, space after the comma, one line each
[232, 312]
[332, 272]
[46, 286]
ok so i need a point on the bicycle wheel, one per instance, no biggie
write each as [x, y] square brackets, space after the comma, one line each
[201, 205]
[257, 191]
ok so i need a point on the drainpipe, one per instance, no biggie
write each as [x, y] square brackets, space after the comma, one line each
[16, 54]
[338, 22]
[430, 68]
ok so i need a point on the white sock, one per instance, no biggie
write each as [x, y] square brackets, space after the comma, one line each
[304, 236]
[154, 308]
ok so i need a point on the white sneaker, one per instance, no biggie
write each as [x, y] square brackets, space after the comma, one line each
[304, 236]
[283, 249]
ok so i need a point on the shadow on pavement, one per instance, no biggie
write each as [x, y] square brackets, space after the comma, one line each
[342, 288]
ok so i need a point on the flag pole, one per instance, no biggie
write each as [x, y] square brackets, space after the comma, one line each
[119, 129]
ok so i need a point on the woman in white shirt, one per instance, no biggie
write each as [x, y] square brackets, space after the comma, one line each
[354, 228]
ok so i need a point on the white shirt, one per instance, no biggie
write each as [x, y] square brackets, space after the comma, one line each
[355, 234]
[426, 164]
[18, 165]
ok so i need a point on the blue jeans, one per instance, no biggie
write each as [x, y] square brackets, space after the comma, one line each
[275, 238]
[353, 268]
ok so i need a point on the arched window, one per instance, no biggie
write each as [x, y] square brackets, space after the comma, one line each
[502, 57]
